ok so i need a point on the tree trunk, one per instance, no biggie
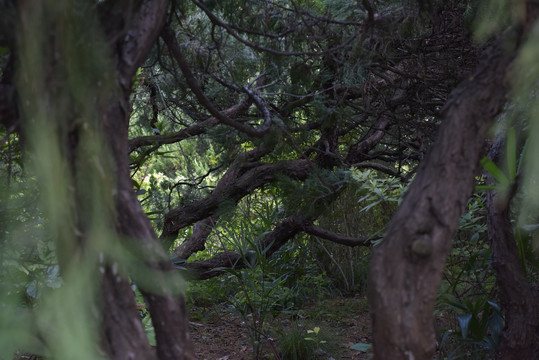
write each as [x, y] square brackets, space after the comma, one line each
[406, 268]
[519, 301]
[75, 85]
[167, 308]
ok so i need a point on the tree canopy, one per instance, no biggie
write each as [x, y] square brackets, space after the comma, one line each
[149, 142]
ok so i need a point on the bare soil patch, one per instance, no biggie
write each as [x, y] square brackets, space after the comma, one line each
[220, 334]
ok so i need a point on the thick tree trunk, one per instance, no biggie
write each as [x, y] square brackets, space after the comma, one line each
[75, 94]
[406, 268]
[166, 307]
[519, 301]
[123, 336]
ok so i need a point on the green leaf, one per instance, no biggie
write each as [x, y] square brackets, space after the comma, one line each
[512, 154]
[495, 171]
[464, 322]
[364, 347]
[486, 187]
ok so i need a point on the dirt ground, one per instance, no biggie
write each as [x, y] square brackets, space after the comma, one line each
[219, 334]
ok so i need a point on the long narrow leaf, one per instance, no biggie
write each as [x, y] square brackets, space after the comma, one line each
[495, 171]
[363, 347]
[464, 323]
[486, 187]
[512, 154]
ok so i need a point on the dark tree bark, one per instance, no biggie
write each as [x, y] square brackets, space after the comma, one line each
[519, 301]
[244, 175]
[406, 268]
[130, 30]
[271, 242]
[168, 311]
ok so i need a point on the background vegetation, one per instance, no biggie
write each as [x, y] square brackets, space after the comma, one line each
[250, 156]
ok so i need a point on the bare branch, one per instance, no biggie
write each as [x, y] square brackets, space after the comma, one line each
[271, 242]
[261, 105]
[172, 138]
[215, 266]
[358, 151]
[201, 230]
[338, 238]
[380, 167]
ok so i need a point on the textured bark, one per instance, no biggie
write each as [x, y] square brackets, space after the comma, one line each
[244, 176]
[123, 335]
[519, 301]
[197, 241]
[406, 268]
[271, 242]
[338, 238]
[130, 30]
[169, 318]
[167, 310]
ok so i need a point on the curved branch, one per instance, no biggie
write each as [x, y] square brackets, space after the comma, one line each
[205, 269]
[243, 177]
[382, 168]
[158, 140]
[172, 43]
[261, 105]
[133, 43]
[338, 238]
[271, 242]
[368, 142]
[188, 132]
[197, 242]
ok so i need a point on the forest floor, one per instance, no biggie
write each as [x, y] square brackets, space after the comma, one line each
[220, 334]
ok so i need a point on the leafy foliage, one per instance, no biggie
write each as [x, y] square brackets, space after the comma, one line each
[341, 101]
[480, 325]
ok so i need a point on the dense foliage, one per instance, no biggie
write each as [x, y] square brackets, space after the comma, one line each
[270, 144]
